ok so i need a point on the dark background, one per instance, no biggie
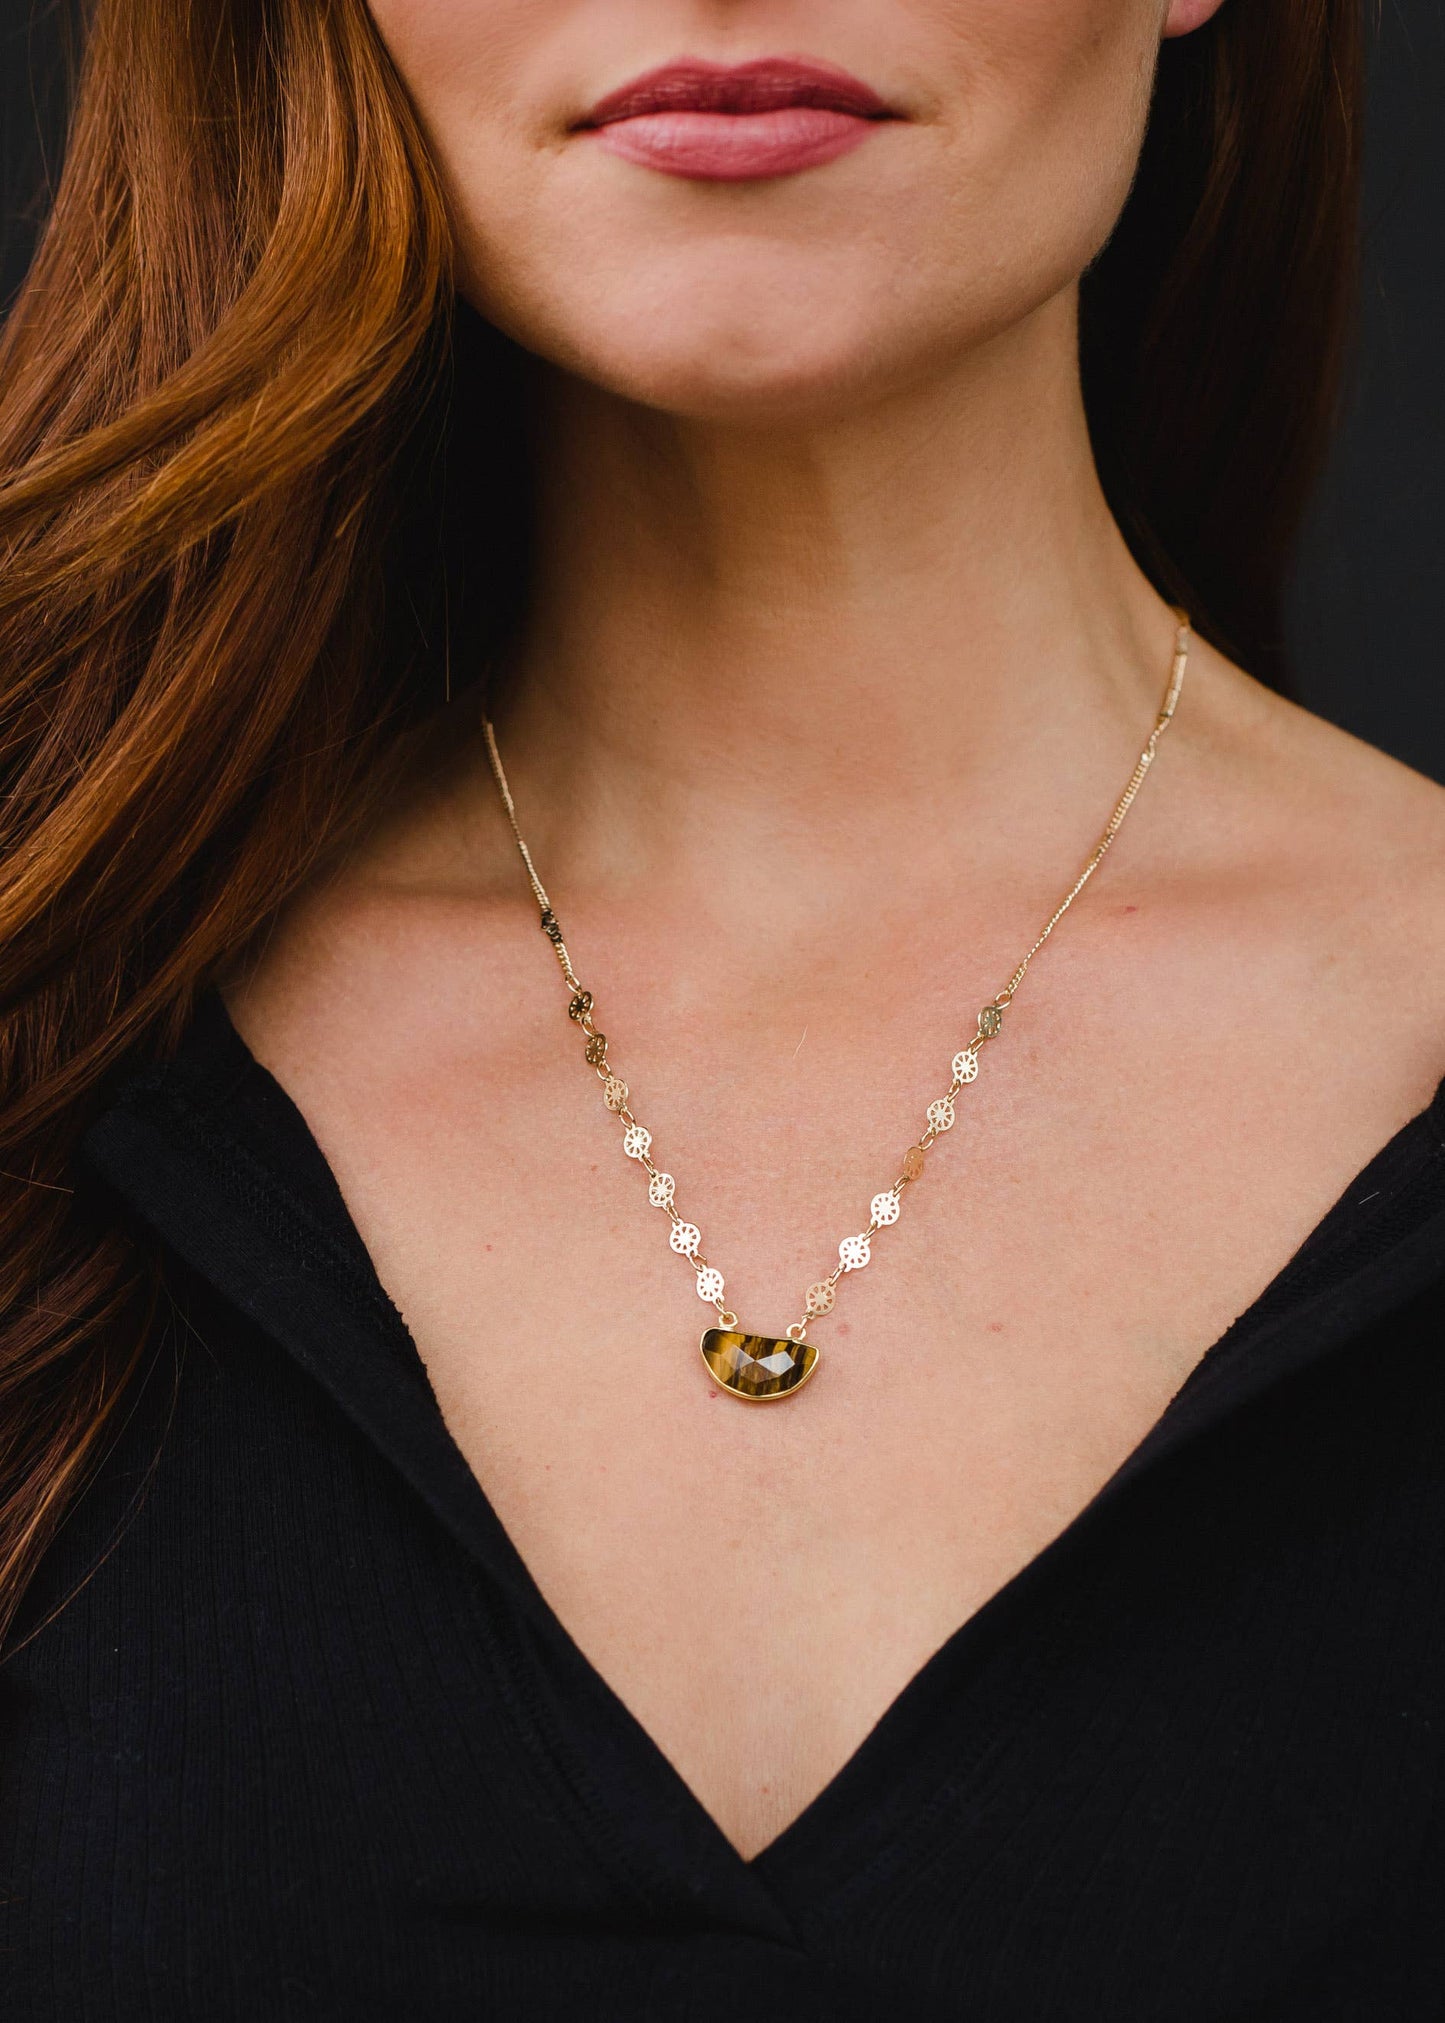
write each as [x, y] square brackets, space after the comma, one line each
[1367, 632]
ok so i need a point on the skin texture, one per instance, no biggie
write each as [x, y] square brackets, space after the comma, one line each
[837, 666]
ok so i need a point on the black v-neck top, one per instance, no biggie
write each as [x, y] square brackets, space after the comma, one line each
[305, 1741]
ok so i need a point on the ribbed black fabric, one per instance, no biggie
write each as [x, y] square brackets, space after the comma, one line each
[305, 1741]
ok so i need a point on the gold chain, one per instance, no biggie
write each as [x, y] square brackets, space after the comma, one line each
[854, 1251]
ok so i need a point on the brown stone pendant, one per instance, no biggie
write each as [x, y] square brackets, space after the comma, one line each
[758, 1368]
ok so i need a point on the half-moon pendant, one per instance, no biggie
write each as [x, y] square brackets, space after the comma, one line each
[757, 1368]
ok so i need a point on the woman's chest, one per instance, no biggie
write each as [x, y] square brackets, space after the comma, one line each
[759, 1583]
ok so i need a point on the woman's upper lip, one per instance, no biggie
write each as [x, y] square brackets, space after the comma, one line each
[767, 84]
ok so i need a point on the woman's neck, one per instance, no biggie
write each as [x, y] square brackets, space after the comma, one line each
[831, 638]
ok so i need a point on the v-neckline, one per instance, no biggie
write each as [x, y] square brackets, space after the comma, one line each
[174, 1145]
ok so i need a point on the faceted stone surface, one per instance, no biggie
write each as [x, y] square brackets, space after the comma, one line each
[757, 1367]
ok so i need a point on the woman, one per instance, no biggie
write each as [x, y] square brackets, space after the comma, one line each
[407, 1619]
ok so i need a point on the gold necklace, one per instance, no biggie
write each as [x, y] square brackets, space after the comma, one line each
[763, 1368]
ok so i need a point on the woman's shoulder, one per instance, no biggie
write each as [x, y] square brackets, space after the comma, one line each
[1309, 870]
[1309, 809]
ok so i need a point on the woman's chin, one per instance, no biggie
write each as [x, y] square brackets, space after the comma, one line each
[726, 369]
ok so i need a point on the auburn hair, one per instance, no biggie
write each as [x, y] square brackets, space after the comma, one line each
[227, 388]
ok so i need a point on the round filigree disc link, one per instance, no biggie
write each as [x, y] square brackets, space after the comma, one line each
[914, 1161]
[614, 1092]
[854, 1252]
[940, 1114]
[686, 1239]
[821, 1299]
[884, 1208]
[636, 1142]
[965, 1065]
[660, 1190]
[710, 1284]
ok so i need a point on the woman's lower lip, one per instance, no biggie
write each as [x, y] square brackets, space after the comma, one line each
[731, 147]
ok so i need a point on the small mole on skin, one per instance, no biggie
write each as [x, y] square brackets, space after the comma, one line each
[1131, 909]
[995, 1327]
[845, 1327]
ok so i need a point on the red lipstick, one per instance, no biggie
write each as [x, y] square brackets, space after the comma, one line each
[736, 122]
